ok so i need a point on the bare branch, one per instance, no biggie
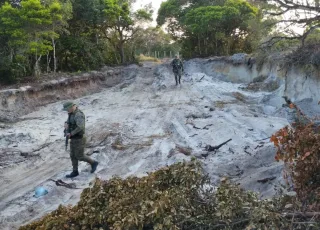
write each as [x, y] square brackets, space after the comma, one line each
[276, 14]
[276, 39]
[287, 4]
[297, 21]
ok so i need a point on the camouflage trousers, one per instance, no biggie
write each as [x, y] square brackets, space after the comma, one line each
[77, 153]
[177, 75]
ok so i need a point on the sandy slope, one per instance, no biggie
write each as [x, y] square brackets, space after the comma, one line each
[147, 117]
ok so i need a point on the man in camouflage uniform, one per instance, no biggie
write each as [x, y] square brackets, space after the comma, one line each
[75, 127]
[177, 67]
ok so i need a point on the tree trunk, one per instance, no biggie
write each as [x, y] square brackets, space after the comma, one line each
[11, 55]
[54, 56]
[97, 39]
[199, 45]
[116, 56]
[48, 62]
[133, 54]
[37, 70]
[66, 61]
[121, 50]
[206, 45]
[228, 46]
[216, 45]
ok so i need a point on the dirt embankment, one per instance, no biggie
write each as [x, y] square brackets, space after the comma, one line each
[296, 81]
[23, 100]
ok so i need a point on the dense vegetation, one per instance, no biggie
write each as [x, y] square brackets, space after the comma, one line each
[73, 35]
[224, 27]
[213, 27]
[175, 197]
[43, 36]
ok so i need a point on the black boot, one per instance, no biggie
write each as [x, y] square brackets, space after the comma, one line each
[73, 174]
[94, 166]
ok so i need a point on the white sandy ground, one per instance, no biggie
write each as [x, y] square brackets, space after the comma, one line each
[148, 114]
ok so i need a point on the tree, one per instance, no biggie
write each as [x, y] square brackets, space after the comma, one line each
[26, 28]
[81, 47]
[120, 24]
[210, 27]
[74, 35]
[60, 13]
[154, 39]
[290, 15]
[12, 38]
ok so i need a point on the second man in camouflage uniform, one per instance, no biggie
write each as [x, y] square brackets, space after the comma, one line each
[75, 127]
[177, 67]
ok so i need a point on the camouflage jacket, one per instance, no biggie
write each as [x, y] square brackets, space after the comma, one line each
[177, 64]
[76, 124]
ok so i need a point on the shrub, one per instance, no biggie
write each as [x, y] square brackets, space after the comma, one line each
[175, 197]
[142, 58]
[299, 149]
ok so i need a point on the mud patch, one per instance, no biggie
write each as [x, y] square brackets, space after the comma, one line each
[10, 157]
[239, 96]
[198, 116]
[262, 86]
[222, 104]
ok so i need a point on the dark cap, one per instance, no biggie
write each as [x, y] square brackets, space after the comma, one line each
[67, 105]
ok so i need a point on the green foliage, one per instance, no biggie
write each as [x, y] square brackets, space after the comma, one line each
[73, 35]
[313, 38]
[26, 31]
[142, 14]
[168, 9]
[212, 27]
[13, 71]
[120, 25]
[11, 25]
[117, 13]
[175, 197]
[79, 53]
[34, 17]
